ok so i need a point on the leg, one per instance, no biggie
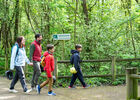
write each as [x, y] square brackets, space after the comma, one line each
[38, 72]
[74, 77]
[50, 84]
[44, 83]
[22, 77]
[14, 81]
[80, 77]
[33, 78]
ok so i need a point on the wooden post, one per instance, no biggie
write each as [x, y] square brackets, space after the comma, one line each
[56, 71]
[113, 69]
[129, 84]
[63, 53]
[135, 84]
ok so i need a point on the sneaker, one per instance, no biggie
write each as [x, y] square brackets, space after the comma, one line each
[13, 91]
[73, 87]
[28, 91]
[87, 86]
[51, 93]
[32, 89]
[38, 89]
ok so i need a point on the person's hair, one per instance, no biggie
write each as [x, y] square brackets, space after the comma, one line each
[19, 39]
[37, 36]
[50, 46]
[78, 46]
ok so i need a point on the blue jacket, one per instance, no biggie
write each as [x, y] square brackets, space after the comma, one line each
[75, 59]
[18, 59]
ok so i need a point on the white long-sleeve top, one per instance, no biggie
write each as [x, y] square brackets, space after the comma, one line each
[18, 59]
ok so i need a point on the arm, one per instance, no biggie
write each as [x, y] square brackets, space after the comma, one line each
[26, 58]
[76, 61]
[47, 67]
[32, 48]
[52, 63]
[13, 56]
[47, 63]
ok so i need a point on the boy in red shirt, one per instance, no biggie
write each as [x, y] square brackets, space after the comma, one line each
[49, 68]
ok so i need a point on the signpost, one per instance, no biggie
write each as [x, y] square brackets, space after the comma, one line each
[62, 37]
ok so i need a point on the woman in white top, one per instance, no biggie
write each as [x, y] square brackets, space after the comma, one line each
[18, 59]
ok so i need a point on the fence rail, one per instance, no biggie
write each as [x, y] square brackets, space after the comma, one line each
[86, 76]
[102, 60]
[135, 76]
[132, 84]
[113, 67]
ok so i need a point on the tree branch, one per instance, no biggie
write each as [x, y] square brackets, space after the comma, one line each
[28, 16]
[92, 5]
[69, 4]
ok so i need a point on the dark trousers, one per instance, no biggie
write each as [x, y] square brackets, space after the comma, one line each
[19, 75]
[80, 77]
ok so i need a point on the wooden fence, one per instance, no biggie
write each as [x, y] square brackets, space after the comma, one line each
[113, 67]
[132, 84]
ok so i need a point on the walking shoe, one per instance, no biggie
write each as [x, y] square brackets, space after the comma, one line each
[38, 89]
[87, 86]
[12, 91]
[32, 89]
[51, 93]
[28, 91]
[73, 87]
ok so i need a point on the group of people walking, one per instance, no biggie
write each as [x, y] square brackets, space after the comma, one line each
[19, 58]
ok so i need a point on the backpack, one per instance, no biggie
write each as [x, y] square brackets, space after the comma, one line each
[12, 67]
[43, 61]
[17, 49]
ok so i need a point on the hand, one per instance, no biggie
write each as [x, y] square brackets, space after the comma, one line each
[11, 70]
[31, 64]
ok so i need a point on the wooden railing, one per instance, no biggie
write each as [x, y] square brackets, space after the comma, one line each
[113, 67]
[132, 84]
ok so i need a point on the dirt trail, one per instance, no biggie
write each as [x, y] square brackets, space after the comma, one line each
[96, 93]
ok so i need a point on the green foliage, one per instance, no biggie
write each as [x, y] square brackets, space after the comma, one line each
[108, 33]
[119, 81]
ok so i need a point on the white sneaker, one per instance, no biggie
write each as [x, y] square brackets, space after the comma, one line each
[32, 89]
[13, 91]
[28, 91]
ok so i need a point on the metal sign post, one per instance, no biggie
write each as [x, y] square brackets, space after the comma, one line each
[62, 37]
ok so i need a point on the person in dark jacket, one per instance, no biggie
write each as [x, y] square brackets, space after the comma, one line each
[75, 60]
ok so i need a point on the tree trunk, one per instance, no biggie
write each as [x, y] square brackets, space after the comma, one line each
[5, 32]
[131, 28]
[26, 6]
[127, 7]
[75, 19]
[0, 32]
[16, 20]
[85, 11]
[132, 36]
